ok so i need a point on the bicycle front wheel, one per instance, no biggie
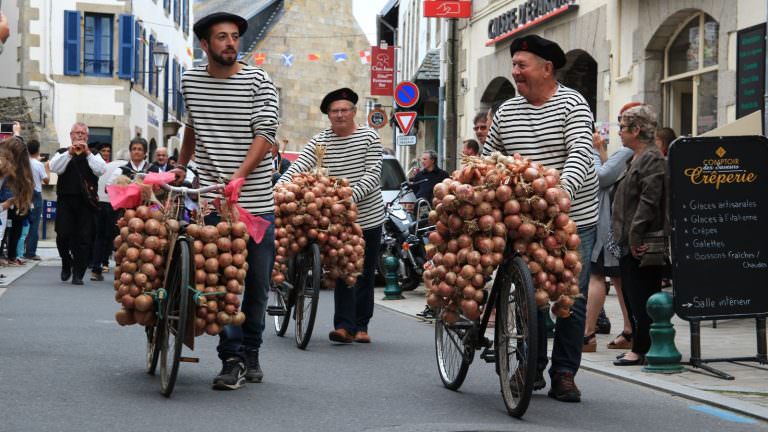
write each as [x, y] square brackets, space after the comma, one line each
[307, 294]
[454, 349]
[176, 316]
[515, 335]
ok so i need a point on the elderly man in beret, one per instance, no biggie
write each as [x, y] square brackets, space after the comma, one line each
[355, 153]
[231, 125]
[551, 124]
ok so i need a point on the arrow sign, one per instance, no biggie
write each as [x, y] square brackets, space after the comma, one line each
[405, 120]
[406, 94]
[448, 8]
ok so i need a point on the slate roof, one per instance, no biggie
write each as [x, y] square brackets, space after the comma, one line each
[430, 67]
[244, 8]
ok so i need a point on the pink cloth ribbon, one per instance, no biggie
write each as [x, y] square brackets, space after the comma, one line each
[255, 225]
[159, 178]
[124, 196]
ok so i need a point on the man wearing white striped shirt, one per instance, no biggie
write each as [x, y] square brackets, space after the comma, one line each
[355, 153]
[551, 124]
[231, 125]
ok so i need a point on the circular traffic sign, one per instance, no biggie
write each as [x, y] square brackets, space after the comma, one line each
[377, 118]
[406, 94]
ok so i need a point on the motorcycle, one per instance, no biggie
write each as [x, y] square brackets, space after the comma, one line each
[404, 235]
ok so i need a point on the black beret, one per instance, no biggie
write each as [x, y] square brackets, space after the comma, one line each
[340, 94]
[544, 48]
[204, 23]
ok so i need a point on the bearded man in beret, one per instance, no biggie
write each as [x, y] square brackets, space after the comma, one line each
[551, 124]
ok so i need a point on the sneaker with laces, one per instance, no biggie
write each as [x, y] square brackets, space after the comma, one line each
[564, 388]
[253, 372]
[232, 375]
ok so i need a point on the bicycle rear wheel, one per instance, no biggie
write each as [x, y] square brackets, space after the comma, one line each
[307, 294]
[515, 335]
[454, 349]
[153, 347]
[176, 317]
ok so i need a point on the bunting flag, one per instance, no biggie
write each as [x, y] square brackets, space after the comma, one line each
[143, 41]
[287, 60]
[189, 52]
[259, 58]
[339, 57]
[313, 57]
[365, 56]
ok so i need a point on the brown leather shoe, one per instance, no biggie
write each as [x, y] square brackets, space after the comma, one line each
[564, 388]
[590, 344]
[341, 336]
[362, 337]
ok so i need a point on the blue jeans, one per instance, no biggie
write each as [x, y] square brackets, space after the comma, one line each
[354, 305]
[569, 332]
[235, 340]
[34, 226]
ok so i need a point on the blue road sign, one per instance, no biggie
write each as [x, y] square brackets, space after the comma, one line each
[406, 94]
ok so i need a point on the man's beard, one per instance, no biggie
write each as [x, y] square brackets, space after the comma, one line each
[222, 61]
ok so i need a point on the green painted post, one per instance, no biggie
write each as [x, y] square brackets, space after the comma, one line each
[392, 287]
[663, 357]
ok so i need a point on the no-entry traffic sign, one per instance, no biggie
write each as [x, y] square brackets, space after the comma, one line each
[447, 8]
[406, 94]
[405, 119]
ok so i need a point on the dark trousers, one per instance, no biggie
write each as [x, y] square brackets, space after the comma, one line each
[354, 305]
[105, 229]
[569, 332]
[234, 341]
[34, 225]
[14, 232]
[638, 285]
[74, 232]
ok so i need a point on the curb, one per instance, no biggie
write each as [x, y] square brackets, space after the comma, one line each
[710, 398]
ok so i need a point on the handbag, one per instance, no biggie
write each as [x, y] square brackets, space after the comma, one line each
[658, 249]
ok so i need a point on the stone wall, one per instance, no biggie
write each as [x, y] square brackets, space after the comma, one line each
[323, 28]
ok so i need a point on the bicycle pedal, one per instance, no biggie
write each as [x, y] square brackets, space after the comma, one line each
[189, 359]
[275, 311]
[488, 355]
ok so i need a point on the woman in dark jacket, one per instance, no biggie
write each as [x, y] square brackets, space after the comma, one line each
[639, 215]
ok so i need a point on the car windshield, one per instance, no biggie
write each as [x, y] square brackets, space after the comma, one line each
[391, 175]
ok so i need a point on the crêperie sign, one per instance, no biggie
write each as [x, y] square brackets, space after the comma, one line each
[719, 210]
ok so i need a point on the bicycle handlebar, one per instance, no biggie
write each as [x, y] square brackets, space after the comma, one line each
[185, 191]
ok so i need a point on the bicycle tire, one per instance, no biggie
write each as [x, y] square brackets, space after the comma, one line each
[454, 350]
[307, 294]
[153, 347]
[176, 316]
[515, 336]
[280, 321]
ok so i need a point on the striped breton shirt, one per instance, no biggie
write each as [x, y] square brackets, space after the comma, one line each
[227, 114]
[557, 134]
[357, 158]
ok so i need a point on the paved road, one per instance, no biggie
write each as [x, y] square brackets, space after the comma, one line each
[66, 366]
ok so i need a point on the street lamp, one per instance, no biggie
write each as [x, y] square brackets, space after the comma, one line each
[160, 55]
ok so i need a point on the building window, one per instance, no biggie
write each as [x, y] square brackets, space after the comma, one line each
[176, 12]
[97, 51]
[99, 137]
[690, 76]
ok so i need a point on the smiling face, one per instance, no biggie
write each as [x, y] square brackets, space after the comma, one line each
[161, 156]
[222, 44]
[531, 74]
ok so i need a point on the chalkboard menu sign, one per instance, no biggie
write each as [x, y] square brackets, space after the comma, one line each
[750, 70]
[719, 210]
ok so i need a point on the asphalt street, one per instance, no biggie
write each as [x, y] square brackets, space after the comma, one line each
[65, 365]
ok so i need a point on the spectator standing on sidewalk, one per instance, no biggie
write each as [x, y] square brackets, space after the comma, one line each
[471, 148]
[40, 177]
[21, 197]
[76, 202]
[480, 127]
[551, 124]
[161, 163]
[429, 175]
[605, 263]
[12, 184]
[664, 137]
[355, 153]
[640, 223]
[231, 125]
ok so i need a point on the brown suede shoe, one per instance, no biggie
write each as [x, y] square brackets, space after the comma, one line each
[564, 388]
[341, 336]
[362, 337]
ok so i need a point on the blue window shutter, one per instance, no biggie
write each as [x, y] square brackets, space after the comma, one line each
[151, 86]
[172, 90]
[136, 51]
[127, 43]
[71, 42]
[143, 64]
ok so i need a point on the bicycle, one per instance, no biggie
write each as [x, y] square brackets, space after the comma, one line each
[298, 293]
[514, 345]
[175, 301]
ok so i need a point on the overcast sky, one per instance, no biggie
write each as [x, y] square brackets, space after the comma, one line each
[365, 11]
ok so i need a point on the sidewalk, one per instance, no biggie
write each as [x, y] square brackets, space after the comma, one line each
[747, 393]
